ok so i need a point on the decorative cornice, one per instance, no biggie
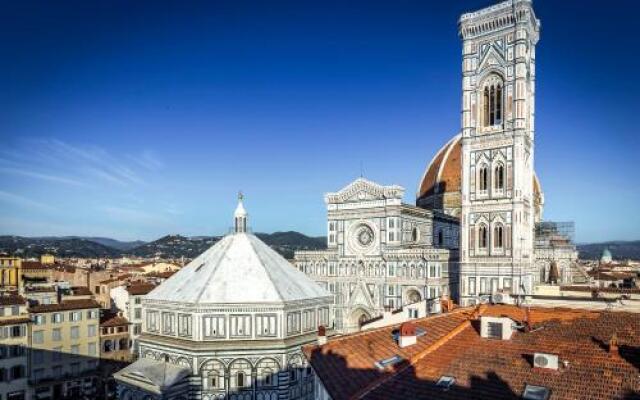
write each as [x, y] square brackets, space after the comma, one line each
[362, 185]
[497, 17]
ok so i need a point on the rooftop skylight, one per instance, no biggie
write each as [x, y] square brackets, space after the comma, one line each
[382, 364]
[533, 392]
[445, 382]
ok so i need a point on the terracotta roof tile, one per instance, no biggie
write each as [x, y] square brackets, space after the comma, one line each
[140, 289]
[12, 300]
[64, 306]
[486, 368]
[112, 319]
[13, 321]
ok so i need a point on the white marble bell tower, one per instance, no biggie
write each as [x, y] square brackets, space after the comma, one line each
[498, 92]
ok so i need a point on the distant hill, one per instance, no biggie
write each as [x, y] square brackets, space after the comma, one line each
[174, 246]
[286, 243]
[61, 247]
[621, 250]
[116, 244]
[170, 246]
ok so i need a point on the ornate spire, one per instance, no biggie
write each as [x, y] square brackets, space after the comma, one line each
[240, 216]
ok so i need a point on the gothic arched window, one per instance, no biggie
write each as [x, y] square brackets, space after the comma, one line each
[492, 102]
[498, 236]
[499, 177]
[484, 177]
[482, 237]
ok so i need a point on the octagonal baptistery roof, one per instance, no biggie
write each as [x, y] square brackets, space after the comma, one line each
[238, 269]
[440, 184]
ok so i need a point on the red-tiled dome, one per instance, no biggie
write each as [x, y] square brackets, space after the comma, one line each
[443, 176]
[444, 172]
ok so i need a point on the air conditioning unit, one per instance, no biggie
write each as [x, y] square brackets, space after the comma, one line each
[502, 298]
[545, 360]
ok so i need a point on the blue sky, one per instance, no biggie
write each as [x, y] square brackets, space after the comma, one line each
[137, 119]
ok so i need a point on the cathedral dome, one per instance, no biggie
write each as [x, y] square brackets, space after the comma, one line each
[240, 268]
[440, 185]
[443, 174]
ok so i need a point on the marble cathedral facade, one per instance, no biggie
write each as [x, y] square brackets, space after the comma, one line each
[381, 253]
[478, 203]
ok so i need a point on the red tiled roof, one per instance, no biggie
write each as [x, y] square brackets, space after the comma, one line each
[64, 306]
[34, 265]
[112, 320]
[14, 321]
[12, 300]
[81, 291]
[165, 274]
[486, 368]
[140, 289]
[116, 279]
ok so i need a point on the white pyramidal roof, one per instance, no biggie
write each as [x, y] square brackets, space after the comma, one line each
[240, 268]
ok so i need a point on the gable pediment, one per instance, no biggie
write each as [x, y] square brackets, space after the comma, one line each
[364, 190]
[492, 56]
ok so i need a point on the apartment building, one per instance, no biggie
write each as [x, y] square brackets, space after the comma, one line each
[114, 337]
[65, 349]
[128, 299]
[14, 341]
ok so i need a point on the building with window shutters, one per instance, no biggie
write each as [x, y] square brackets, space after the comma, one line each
[229, 325]
[14, 343]
[65, 349]
[128, 299]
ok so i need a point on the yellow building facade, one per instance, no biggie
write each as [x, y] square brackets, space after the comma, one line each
[65, 340]
[10, 273]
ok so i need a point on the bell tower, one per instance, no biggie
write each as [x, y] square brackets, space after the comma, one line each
[498, 92]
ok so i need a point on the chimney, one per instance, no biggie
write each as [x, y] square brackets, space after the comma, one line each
[613, 345]
[407, 335]
[322, 335]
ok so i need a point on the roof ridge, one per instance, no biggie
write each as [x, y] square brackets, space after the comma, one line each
[354, 334]
[218, 259]
[253, 238]
[433, 347]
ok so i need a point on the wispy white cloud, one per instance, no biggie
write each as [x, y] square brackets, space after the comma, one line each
[16, 199]
[148, 160]
[39, 175]
[61, 162]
